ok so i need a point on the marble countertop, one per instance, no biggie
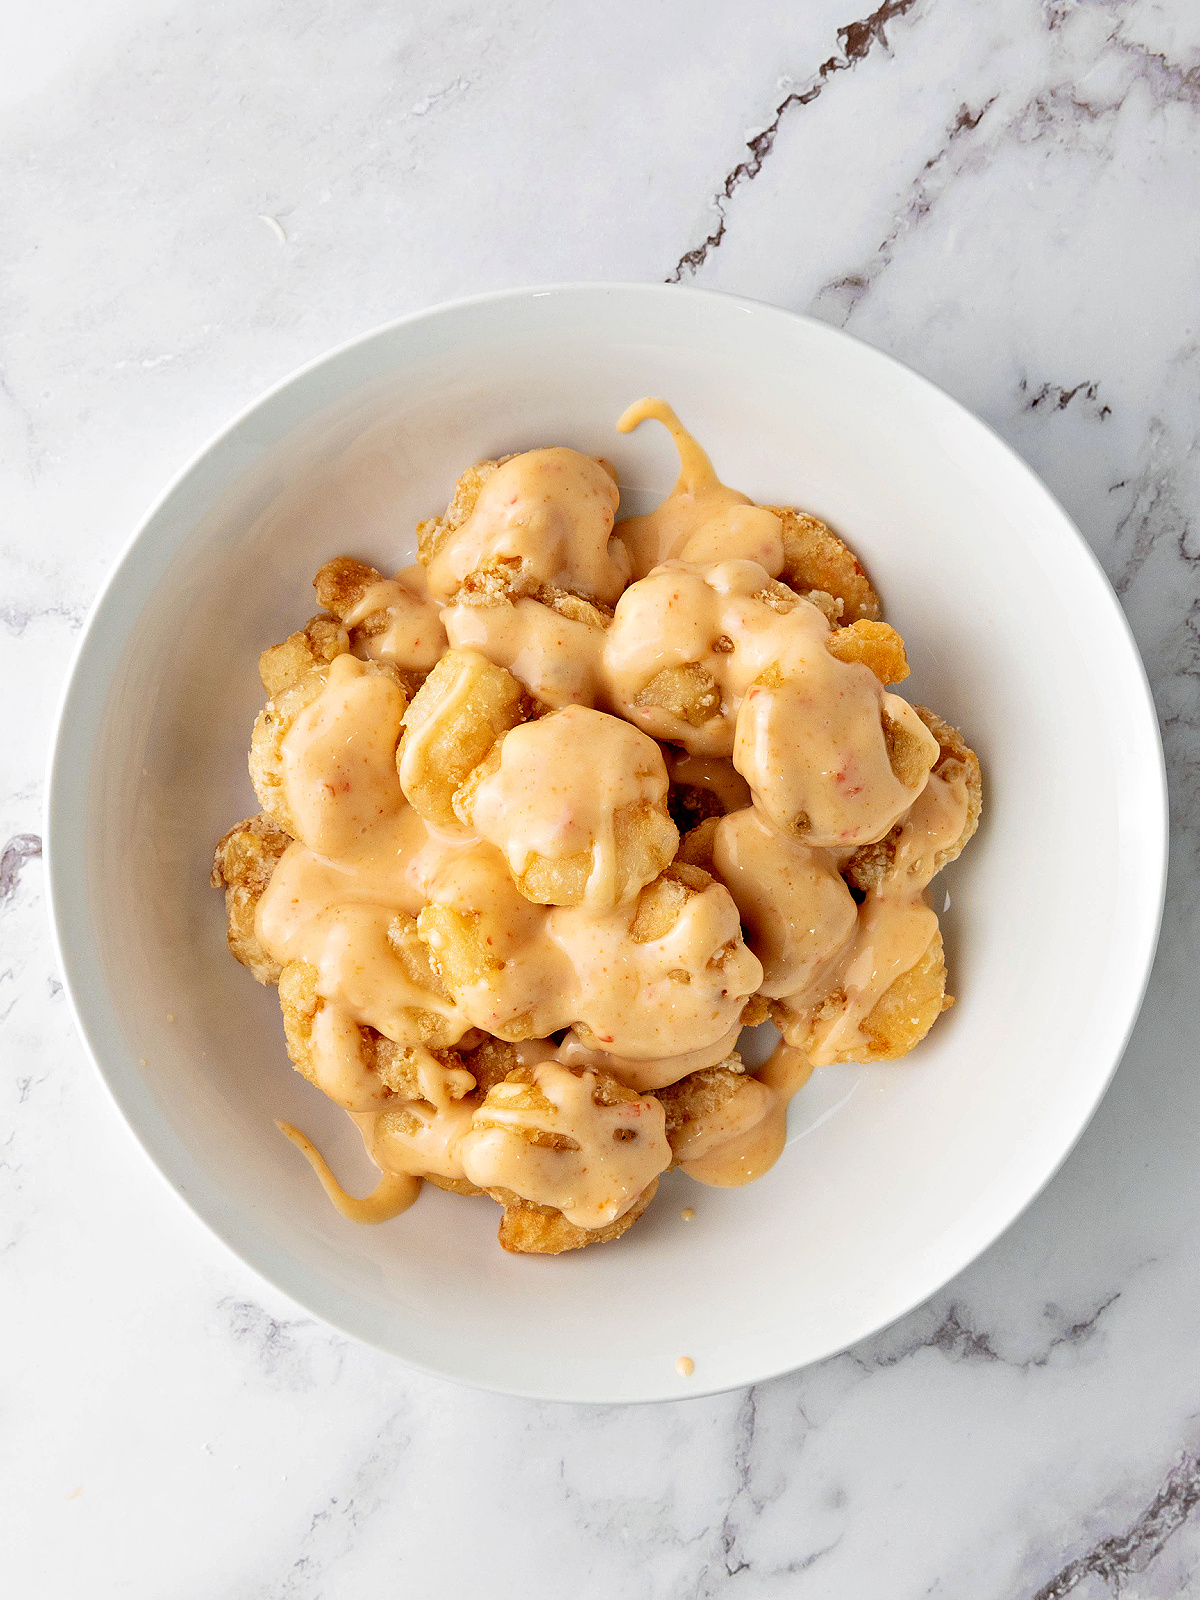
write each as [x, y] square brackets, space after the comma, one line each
[196, 199]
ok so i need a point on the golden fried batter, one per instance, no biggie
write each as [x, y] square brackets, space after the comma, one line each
[897, 1022]
[907, 752]
[315, 645]
[342, 583]
[661, 903]
[531, 1230]
[271, 728]
[954, 748]
[243, 863]
[387, 619]
[455, 718]
[569, 1119]
[872, 865]
[686, 692]
[490, 1062]
[815, 558]
[351, 1080]
[875, 645]
[490, 946]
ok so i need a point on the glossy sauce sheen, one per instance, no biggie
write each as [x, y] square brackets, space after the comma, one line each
[795, 751]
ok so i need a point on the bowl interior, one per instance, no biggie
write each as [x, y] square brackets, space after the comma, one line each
[895, 1176]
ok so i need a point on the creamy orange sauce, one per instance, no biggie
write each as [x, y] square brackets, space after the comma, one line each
[555, 657]
[656, 1073]
[712, 617]
[618, 1149]
[795, 749]
[813, 751]
[391, 1195]
[414, 637]
[558, 789]
[701, 520]
[755, 1140]
[526, 985]
[892, 932]
[804, 730]
[794, 904]
[551, 509]
[667, 996]
[570, 965]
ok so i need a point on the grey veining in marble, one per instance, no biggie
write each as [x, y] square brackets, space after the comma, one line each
[1003, 193]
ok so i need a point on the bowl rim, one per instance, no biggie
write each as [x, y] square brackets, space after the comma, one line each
[67, 895]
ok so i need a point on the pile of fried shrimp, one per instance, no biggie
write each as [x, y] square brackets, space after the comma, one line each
[548, 817]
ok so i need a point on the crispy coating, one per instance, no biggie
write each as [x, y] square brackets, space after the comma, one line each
[359, 1086]
[814, 558]
[756, 1011]
[434, 531]
[457, 715]
[531, 1230]
[483, 935]
[690, 804]
[271, 728]
[870, 866]
[687, 692]
[426, 1026]
[315, 645]
[645, 839]
[399, 1065]
[342, 582]
[904, 1014]
[874, 644]
[493, 587]
[242, 864]
[696, 847]
[490, 1062]
[383, 1066]
[266, 745]
[528, 1228]
[700, 1094]
[660, 903]
[898, 1021]
[830, 607]
[384, 1069]
[575, 607]
[906, 752]
[954, 748]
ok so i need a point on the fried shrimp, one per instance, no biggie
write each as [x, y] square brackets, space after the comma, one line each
[568, 1152]
[565, 840]
[386, 619]
[464, 706]
[814, 558]
[551, 816]
[242, 865]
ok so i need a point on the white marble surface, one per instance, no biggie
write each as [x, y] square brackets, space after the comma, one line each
[196, 198]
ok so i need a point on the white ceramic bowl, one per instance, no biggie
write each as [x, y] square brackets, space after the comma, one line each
[895, 1176]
